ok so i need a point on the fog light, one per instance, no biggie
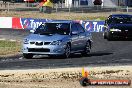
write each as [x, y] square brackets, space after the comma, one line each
[25, 48]
[57, 50]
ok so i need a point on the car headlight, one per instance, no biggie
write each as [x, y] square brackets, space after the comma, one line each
[26, 41]
[118, 30]
[59, 42]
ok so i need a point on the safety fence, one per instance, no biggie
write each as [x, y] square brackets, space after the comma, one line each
[61, 7]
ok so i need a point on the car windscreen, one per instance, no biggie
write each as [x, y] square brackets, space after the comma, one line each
[53, 28]
[122, 19]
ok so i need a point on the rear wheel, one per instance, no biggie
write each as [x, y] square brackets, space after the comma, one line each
[28, 56]
[87, 49]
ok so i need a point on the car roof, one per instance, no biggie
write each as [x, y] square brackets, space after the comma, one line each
[115, 15]
[62, 21]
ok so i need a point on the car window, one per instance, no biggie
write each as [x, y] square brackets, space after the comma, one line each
[53, 28]
[109, 20]
[74, 28]
[122, 19]
[80, 28]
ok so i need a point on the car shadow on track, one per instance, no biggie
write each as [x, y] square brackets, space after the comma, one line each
[77, 55]
[121, 39]
[99, 54]
[91, 54]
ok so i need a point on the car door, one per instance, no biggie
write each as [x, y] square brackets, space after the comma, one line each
[81, 36]
[74, 37]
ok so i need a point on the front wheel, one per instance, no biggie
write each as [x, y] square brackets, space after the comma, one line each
[67, 51]
[28, 56]
[109, 37]
[105, 35]
[87, 49]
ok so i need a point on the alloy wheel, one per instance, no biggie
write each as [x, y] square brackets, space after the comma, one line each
[67, 51]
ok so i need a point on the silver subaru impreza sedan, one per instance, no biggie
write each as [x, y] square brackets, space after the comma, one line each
[58, 38]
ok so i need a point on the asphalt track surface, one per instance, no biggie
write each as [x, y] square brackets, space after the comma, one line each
[104, 53]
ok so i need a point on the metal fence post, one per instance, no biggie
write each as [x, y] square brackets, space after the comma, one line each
[69, 8]
[8, 7]
[56, 7]
[127, 9]
[0, 4]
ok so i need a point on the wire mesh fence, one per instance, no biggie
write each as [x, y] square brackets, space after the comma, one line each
[61, 7]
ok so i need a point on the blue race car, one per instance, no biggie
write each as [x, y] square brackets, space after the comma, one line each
[118, 26]
[59, 38]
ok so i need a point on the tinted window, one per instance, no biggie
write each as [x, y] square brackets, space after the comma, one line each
[52, 28]
[74, 28]
[80, 28]
[109, 20]
[122, 19]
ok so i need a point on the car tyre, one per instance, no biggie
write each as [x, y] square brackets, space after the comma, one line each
[87, 49]
[105, 35]
[67, 51]
[28, 56]
[109, 37]
[53, 56]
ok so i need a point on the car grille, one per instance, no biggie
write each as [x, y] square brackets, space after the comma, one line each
[40, 43]
[125, 31]
[47, 43]
[38, 50]
[32, 42]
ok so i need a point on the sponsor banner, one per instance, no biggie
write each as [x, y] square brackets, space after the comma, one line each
[93, 26]
[16, 23]
[29, 23]
[86, 81]
[5, 22]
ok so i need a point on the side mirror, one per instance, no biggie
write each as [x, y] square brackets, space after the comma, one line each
[32, 31]
[74, 33]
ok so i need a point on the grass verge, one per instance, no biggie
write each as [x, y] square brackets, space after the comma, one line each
[9, 47]
[61, 15]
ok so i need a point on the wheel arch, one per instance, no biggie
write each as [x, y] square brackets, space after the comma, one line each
[69, 43]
